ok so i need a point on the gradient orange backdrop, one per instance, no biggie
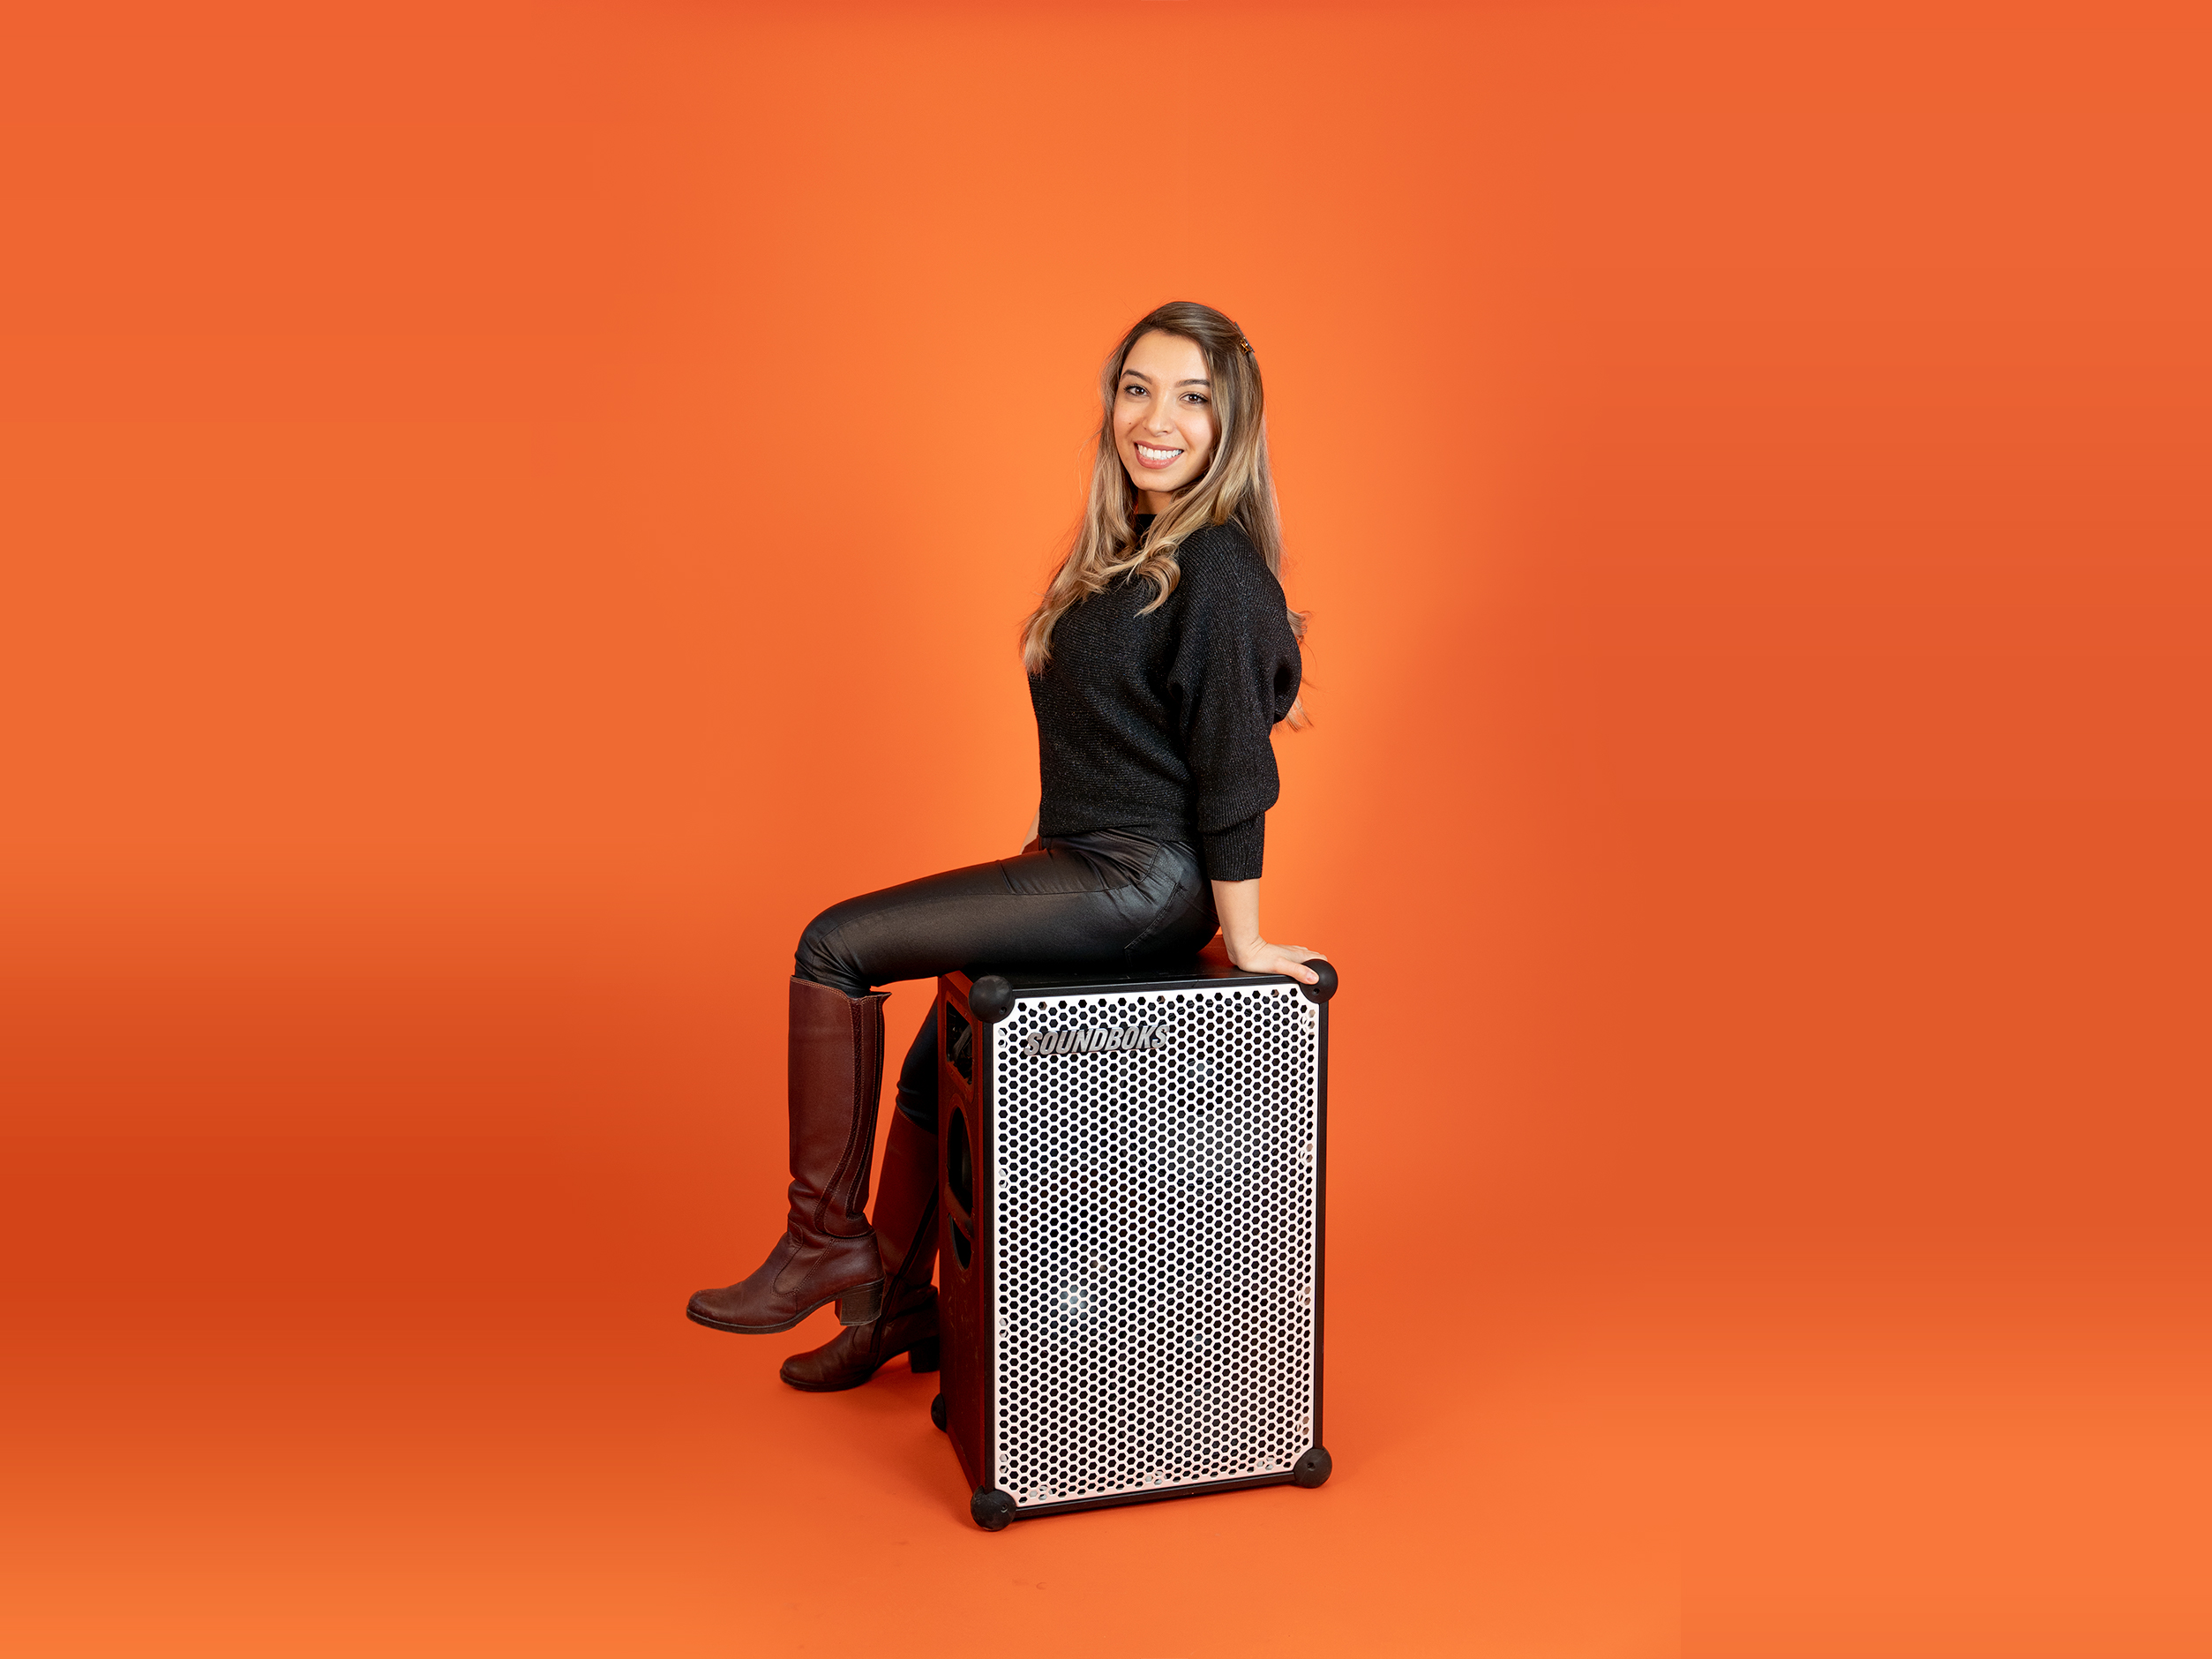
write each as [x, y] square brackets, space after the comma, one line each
[509, 509]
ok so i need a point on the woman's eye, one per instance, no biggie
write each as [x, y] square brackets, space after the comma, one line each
[1195, 397]
[1132, 391]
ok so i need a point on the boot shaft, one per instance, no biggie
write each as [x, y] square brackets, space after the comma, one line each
[906, 1205]
[837, 1080]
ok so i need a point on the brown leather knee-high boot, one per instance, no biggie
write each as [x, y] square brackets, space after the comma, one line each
[906, 1236]
[828, 1250]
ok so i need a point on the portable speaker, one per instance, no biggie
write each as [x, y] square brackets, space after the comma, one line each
[1129, 1279]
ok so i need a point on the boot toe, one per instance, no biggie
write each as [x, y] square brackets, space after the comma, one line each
[714, 1307]
[807, 1371]
[843, 1362]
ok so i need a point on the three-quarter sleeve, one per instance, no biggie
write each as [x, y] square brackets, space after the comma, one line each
[1234, 674]
[1235, 854]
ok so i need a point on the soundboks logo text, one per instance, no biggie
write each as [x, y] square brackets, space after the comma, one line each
[1095, 1039]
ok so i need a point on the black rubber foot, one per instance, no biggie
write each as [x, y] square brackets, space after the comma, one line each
[937, 1409]
[992, 1509]
[1311, 1469]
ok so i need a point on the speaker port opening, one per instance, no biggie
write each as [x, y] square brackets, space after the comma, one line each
[960, 1042]
[960, 1172]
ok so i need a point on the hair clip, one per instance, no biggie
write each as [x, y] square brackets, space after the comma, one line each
[1244, 345]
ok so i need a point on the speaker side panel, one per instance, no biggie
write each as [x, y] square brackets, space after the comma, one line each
[964, 1331]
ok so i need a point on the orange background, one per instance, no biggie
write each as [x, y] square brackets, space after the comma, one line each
[509, 509]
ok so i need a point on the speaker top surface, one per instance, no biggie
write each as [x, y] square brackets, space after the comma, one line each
[1209, 967]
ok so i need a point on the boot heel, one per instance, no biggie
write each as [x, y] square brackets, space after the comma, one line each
[923, 1355]
[863, 1304]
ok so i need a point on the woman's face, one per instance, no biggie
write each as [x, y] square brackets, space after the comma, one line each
[1163, 423]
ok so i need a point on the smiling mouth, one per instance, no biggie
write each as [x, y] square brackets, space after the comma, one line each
[1147, 455]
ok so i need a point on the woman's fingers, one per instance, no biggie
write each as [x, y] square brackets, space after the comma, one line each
[1286, 959]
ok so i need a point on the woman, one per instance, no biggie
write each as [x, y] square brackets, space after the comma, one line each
[1159, 659]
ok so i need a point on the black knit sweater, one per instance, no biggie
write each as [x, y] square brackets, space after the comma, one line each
[1159, 724]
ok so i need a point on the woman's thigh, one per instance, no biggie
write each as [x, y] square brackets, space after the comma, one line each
[1081, 902]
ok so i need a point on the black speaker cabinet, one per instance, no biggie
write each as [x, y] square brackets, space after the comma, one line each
[1129, 1276]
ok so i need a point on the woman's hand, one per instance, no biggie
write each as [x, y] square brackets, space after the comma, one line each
[1238, 904]
[1258, 956]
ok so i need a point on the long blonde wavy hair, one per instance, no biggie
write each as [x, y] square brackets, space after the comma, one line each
[1236, 487]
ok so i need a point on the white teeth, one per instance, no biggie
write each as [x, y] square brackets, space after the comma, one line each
[1151, 454]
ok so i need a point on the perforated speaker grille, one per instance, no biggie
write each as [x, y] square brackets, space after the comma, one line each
[1154, 1220]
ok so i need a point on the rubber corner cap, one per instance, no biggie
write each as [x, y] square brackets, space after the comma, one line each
[992, 1509]
[1327, 988]
[991, 999]
[1313, 1468]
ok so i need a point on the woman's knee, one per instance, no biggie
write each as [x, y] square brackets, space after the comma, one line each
[819, 959]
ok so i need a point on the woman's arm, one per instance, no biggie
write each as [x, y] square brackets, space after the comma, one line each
[1238, 904]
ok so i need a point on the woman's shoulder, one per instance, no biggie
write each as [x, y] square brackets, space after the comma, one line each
[1221, 559]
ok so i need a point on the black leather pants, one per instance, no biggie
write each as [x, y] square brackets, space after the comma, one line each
[1107, 900]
